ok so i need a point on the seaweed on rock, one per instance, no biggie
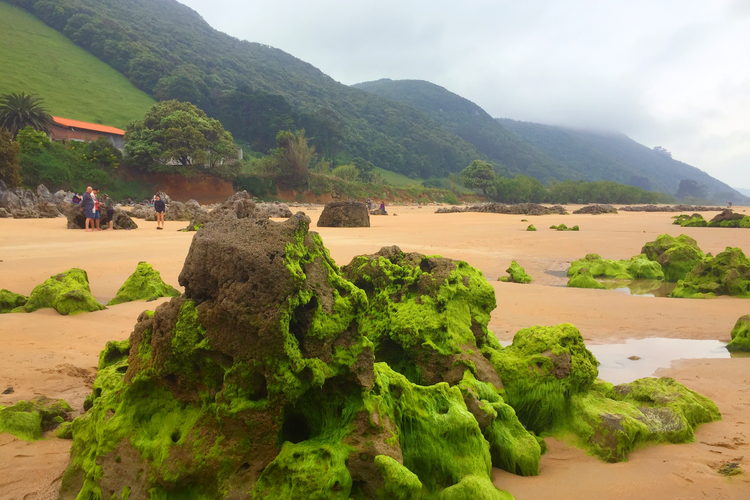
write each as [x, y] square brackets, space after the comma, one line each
[728, 273]
[277, 373]
[740, 335]
[516, 274]
[66, 293]
[676, 255]
[11, 300]
[144, 284]
[28, 420]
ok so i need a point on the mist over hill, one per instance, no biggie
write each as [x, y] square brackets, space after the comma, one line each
[552, 152]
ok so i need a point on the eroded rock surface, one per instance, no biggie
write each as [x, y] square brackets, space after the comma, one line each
[344, 214]
[277, 373]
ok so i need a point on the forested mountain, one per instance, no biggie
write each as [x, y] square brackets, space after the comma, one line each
[169, 51]
[616, 157]
[555, 153]
[412, 127]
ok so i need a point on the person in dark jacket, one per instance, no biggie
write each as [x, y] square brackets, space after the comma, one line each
[160, 207]
[88, 209]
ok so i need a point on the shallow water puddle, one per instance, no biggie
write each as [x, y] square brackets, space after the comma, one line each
[643, 288]
[637, 358]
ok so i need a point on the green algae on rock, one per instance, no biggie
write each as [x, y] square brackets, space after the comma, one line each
[740, 335]
[728, 273]
[563, 227]
[10, 300]
[695, 220]
[531, 227]
[28, 420]
[259, 382]
[516, 274]
[549, 379]
[677, 256]
[277, 373]
[612, 421]
[583, 279]
[144, 284]
[66, 293]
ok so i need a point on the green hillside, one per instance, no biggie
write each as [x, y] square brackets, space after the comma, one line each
[37, 59]
[169, 51]
[551, 153]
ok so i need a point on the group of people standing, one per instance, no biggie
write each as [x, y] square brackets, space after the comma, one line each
[92, 209]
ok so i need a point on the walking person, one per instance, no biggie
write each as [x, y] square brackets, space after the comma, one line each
[88, 209]
[160, 208]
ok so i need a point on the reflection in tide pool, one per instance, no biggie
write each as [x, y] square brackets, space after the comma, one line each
[648, 355]
[645, 288]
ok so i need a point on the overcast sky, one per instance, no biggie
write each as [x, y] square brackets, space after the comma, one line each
[673, 73]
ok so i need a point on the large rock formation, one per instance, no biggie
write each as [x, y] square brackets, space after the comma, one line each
[344, 214]
[27, 204]
[277, 375]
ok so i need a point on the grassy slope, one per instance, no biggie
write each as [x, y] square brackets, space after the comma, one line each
[37, 59]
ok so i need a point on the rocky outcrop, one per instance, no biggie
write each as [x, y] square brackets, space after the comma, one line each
[77, 220]
[344, 214]
[501, 208]
[670, 208]
[273, 209]
[66, 293]
[277, 373]
[27, 204]
[727, 218]
[596, 210]
[144, 284]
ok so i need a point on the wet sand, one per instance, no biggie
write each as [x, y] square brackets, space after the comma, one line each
[45, 353]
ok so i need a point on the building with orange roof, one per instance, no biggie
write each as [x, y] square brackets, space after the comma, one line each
[65, 129]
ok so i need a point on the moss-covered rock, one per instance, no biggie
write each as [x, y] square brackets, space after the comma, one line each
[600, 268]
[740, 335]
[695, 220]
[728, 273]
[612, 421]
[531, 227]
[144, 284]
[10, 300]
[540, 371]
[516, 274]
[66, 293]
[277, 375]
[259, 380]
[584, 279]
[563, 227]
[30, 419]
[677, 256]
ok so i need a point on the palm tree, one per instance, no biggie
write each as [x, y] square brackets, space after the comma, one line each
[23, 110]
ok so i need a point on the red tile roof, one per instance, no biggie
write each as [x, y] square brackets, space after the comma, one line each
[67, 122]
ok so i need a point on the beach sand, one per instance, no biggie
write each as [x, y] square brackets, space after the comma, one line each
[44, 353]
